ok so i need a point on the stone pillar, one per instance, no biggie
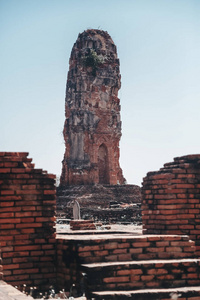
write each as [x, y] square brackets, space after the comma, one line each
[171, 199]
[92, 112]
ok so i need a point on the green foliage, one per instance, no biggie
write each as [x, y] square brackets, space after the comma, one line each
[93, 60]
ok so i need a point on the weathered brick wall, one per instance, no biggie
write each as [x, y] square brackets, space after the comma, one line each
[27, 205]
[171, 199]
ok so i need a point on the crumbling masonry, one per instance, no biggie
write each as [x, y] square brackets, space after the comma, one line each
[93, 127]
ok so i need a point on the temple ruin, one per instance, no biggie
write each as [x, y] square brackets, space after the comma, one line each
[157, 261]
[92, 127]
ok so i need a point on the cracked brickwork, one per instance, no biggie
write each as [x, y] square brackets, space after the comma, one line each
[92, 127]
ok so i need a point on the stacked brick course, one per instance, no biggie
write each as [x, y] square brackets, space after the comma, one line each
[141, 275]
[171, 199]
[27, 205]
[109, 256]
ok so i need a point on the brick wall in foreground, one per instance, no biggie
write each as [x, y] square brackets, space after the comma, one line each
[27, 205]
[171, 199]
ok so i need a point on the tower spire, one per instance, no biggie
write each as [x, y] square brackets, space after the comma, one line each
[92, 127]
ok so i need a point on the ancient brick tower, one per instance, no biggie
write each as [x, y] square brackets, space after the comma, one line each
[92, 127]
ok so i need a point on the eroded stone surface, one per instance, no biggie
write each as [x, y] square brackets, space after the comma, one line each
[92, 127]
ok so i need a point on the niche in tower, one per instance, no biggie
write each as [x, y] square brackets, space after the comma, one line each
[103, 164]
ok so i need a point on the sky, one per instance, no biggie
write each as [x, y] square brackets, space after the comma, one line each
[158, 44]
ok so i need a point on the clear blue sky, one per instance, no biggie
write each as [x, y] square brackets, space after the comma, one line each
[158, 46]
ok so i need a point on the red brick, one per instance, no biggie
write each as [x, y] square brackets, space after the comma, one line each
[26, 271]
[166, 277]
[27, 230]
[16, 254]
[153, 238]
[141, 244]
[157, 271]
[116, 279]
[190, 276]
[134, 250]
[23, 176]
[29, 225]
[6, 204]
[18, 170]
[7, 192]
[29, 187]
[4, 170]
[49, 192]
[153, 250]
[125, 257]
[136, 271]
[123, 272]
[27, 247]
[153, 284]
[111, 245]
[28, 192]
[47, 246]
[101, 253]
[10, 198]
[27, 220]
[11, 267]
[6, 215]
[89, 248]
[14, 220]
[37, 253]
[147, 277]
[162, 243]
[49, 252]
[10, 164]
[6, 226]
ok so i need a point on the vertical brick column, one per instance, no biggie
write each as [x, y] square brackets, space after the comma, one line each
[27, 205]
[171, 199]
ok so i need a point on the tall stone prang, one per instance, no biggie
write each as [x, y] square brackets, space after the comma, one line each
[92, 127]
